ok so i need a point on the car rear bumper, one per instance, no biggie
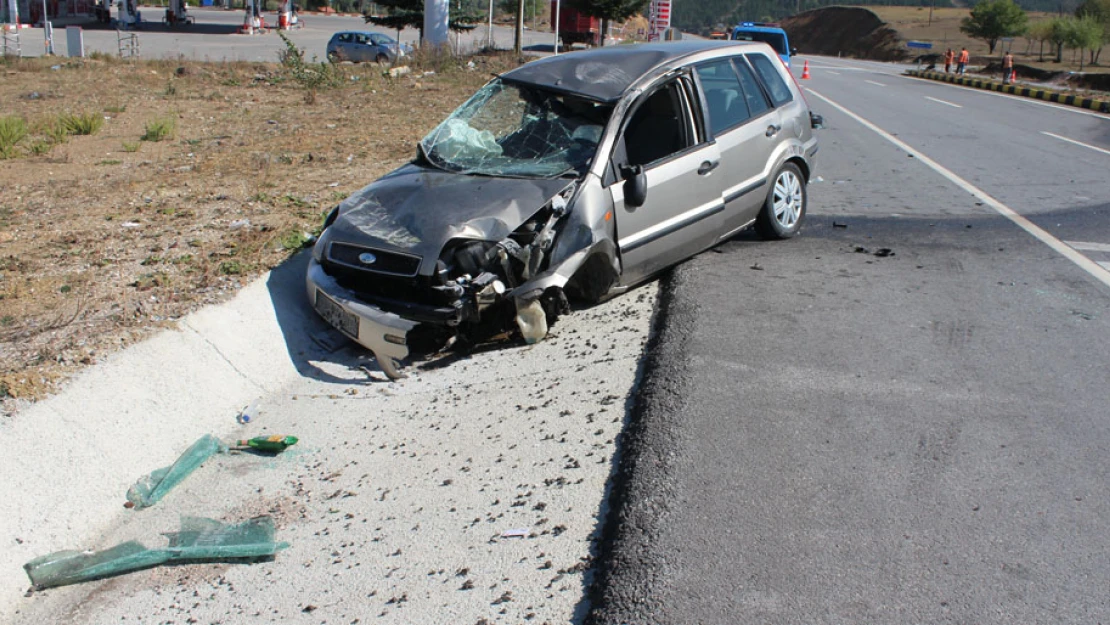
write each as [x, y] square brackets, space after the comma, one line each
[383, 333]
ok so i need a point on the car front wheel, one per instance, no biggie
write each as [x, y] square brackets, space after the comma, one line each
[785, 207]
[333, 57]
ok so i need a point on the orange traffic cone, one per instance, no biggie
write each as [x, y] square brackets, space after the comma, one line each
[1013, 76]
[805, 71]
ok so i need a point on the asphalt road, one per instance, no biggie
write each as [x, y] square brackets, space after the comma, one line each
[900, 416]
[215, 37]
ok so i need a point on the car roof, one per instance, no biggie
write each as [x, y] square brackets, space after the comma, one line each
[761, 28]
[606, 73]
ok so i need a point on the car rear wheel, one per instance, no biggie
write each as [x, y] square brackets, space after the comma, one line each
[785, 207]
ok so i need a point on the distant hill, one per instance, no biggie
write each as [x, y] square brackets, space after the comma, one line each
[702, 16]
[852, 31]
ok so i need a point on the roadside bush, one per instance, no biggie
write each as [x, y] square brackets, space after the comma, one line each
[13, 129]
[159, 129]
[310, 76]
[55, 131]
[438, 59]
[82, 124]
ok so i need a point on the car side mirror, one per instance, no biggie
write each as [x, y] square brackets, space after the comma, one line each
[635, 185]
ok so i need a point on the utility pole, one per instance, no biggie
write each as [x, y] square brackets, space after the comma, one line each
[558, 5]
[519, 39]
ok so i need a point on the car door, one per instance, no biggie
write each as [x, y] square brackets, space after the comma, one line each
[362, 50]
[745, 127]
[382, 45]
[681, 213]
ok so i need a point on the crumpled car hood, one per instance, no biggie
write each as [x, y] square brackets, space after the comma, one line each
[417, 210]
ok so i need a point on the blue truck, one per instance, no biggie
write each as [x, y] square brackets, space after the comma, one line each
[771, 34]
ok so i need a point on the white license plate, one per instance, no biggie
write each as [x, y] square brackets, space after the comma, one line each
[334, 314]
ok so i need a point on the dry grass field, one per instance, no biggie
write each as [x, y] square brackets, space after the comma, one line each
[195, 178]
[943, 31]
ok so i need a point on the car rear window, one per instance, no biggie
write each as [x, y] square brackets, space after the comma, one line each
[753, 94]
[723, 95]
[775, 40]
[772, 79]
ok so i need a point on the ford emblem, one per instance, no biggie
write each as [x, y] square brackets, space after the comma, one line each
[366, 258]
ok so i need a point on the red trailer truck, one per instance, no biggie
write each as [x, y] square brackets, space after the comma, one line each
[575, 27]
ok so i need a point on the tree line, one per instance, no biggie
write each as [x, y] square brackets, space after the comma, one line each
[1086, 31]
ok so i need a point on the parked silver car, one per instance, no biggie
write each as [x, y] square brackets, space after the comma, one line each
[578, 175]
[364, 46]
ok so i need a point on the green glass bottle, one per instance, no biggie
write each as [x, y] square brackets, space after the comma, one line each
[273, 443]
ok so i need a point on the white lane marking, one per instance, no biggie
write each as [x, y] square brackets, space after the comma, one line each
[1093, 147]
[833, 73]
[1028, 100]
[1096, 270]
[875, 83]
[1089, 247]
[1104, 264]
[959, 106]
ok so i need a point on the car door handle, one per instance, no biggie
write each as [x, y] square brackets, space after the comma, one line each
[773, 130]
[707, 167]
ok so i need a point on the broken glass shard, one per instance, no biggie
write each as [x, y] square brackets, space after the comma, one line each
[151, 488]
[200, 540]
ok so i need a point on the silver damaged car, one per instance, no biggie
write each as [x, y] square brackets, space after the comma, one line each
[574, 176]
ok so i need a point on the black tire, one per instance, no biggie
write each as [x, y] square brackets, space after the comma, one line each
[382, 59]
[333, 57]
[784, 210]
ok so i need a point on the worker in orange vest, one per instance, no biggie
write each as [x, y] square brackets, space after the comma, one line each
[948, 58]
[1007, 67]
[961, 64]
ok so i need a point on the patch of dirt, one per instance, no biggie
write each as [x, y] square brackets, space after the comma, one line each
[844, 31]
[105, 238]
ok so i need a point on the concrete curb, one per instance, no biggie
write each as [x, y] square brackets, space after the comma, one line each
[69, 459]
[1094, 104]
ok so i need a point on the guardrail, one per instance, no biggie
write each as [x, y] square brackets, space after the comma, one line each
[1069, 99]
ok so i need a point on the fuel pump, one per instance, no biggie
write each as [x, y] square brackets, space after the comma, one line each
[252, 20]
[285, 15]
[127, 16]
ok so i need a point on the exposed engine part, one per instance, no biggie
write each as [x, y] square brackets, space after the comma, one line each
[490, 289]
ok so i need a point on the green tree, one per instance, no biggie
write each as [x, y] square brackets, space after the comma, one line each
[1059, 28]
[609, 11]
[1040, 32]
[1084, 33]
[992, 20]
[410, 14]
[1099, 10]
[532, 8]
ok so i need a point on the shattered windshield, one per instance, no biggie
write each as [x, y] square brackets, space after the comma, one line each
[520, 131]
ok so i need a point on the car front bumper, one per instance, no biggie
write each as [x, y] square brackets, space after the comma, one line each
[383, 333]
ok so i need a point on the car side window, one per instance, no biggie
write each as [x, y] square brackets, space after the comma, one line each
[772, 79]
[723, 95]
[753, 93]
[659, 127]
[345, 38]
